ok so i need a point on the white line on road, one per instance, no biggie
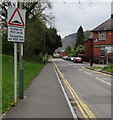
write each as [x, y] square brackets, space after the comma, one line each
[88, 73]
[71, 64]
[76, 64]
[103, 81]
[65, 94]
[80, 69]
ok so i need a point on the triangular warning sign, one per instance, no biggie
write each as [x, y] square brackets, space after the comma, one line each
[16, 19]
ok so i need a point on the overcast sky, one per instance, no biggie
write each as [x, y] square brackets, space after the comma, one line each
[70, 15]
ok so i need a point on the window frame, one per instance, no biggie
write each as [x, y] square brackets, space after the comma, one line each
[102, 36]
[102, 52]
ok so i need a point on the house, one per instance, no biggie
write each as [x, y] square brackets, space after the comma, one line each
[101, 44]
[62, 53]
[88, 49]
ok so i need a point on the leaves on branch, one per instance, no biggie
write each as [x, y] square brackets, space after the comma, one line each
[32, 8]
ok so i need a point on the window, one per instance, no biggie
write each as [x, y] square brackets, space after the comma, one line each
[102, 36]
[102, 52]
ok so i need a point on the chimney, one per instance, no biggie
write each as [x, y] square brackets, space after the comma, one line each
[112, 9]
[112, 15]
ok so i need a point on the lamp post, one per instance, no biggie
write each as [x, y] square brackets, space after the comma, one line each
[106, 57]
[21, 70]
[91, 56]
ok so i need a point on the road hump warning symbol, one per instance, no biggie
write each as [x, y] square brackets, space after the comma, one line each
[16, 19]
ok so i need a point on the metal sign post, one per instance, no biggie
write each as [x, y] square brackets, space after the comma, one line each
[21, 71]
[15, 72]
[21, 75]
[16, 34]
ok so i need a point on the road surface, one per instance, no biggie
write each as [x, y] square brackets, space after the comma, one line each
[93, 89]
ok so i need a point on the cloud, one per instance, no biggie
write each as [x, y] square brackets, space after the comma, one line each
[69, 16]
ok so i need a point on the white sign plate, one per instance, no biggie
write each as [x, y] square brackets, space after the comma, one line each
[16, 34]
[16, 17]
[109, 49]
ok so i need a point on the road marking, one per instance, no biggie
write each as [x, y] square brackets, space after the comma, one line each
[97, 72]
[88, 73]
[71, 64]
[83, 107]
[76, 64]
[80, 69]
[103, 81]
[86, 112]
[67, 99]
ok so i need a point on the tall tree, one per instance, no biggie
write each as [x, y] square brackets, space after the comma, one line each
[40, 39]
[52, 40]
[36, 19]
[80, 36]
[32, 8]
[68, 50]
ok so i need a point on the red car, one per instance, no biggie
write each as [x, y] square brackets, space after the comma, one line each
[78, 60]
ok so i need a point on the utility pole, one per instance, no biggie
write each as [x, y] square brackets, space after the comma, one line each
[21, 70]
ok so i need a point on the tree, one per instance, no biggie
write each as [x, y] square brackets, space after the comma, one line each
[79, 50]
[34, 38]
[36, 19]
[53, 41]
[80, 36]
[40, 40]
[68, 50]
[32, 9]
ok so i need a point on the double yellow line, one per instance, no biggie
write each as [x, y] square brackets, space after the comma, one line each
[86, 112]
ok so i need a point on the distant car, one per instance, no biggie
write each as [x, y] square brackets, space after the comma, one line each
[68, 58]
[57, 55]
[72, 58]
[64, 57]
[78, 60]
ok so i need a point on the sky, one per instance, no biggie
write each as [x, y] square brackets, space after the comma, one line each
[69, 16]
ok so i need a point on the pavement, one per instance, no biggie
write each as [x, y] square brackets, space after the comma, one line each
[99, 65]
[44, 99]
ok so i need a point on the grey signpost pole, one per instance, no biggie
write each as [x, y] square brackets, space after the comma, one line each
[21, 70]
[16, 33]
[15, 72]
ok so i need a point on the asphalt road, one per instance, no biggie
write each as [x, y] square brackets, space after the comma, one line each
[93, 89]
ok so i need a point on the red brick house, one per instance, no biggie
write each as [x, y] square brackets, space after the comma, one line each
[102, 42]
[88, 49]
[62, 53]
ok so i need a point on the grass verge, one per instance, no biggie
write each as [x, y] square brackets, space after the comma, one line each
[30, 71]
[109, 68]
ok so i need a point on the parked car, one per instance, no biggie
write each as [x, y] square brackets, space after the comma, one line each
[68, 58]
[72, 58]
[64, 57]
[78, 60]
[56, 55]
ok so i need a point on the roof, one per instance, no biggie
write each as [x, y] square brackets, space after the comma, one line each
[62, 50]
[88, 40]
[106, 26]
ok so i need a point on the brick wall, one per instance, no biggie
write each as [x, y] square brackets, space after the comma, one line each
[63, 54]
[88, 49]
[109, 38]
